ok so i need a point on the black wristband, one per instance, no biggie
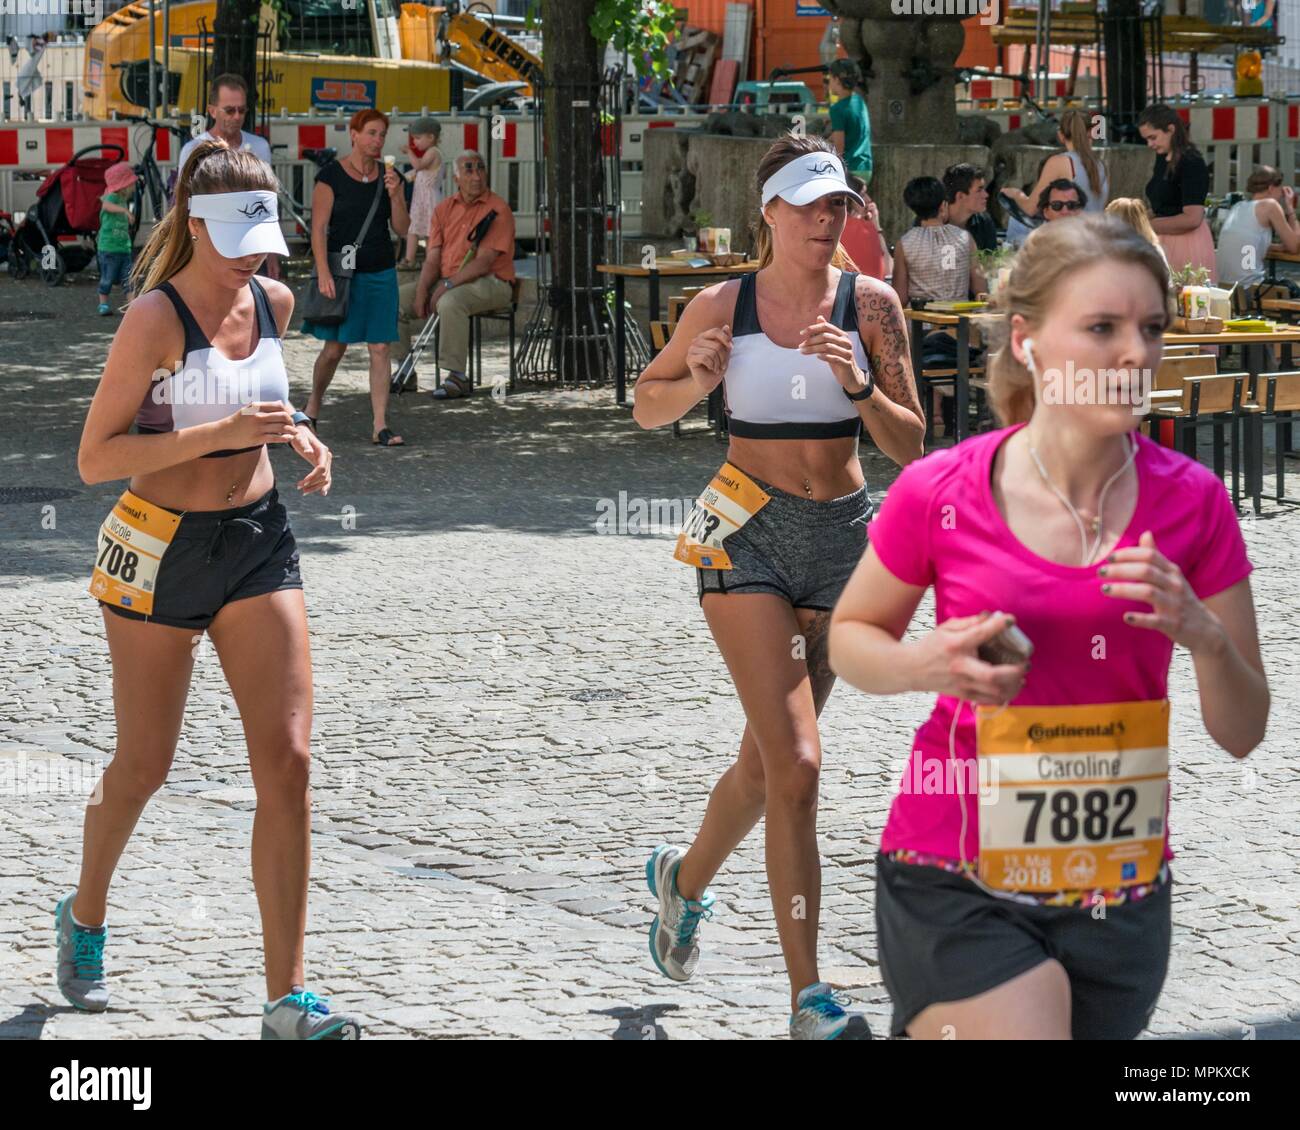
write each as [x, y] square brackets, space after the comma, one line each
[866, 392]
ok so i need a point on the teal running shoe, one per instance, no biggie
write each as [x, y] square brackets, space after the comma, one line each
[304, 1016]
[675, 931]
[821, 1015]
[80, 972]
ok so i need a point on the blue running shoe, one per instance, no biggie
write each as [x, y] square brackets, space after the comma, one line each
[81, 960]
[675, 931]
[304, 1016]
[820, 1015]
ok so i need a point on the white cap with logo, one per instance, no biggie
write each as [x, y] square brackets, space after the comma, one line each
[809, 177]
[241, 223]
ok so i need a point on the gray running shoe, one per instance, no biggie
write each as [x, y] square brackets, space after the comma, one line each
[675, 931]
[305, 1016]
[81, 960]
[821, 1016]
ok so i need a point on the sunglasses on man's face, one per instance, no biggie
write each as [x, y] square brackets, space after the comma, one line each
[234, 111]
[1065, 206]
[473, 167]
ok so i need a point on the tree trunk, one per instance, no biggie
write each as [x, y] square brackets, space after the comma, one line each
[571, 67]
[234, 47]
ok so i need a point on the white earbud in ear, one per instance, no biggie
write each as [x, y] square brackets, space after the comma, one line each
[1028, 346]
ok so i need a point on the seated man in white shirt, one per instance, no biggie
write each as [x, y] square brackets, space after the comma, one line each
[228, 107]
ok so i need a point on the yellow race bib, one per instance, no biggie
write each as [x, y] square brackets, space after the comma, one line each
[1079, 795]
[728, 502]
[132, 541]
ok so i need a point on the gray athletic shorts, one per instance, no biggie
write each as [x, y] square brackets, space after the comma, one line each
[941, 938]
[802, 550]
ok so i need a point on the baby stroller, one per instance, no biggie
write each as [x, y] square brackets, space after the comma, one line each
[65, 218]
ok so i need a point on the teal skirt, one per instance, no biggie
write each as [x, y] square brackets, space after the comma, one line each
[372, 311]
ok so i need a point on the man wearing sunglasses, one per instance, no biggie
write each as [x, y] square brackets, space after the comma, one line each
[1060, 199]
[468, 269]
[228, 108]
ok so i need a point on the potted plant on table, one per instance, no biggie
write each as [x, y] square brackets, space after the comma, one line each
[691, 229]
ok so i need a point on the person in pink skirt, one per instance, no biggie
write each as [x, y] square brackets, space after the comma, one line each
[1176, 191]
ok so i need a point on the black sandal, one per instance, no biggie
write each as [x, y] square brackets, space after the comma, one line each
[386, 439]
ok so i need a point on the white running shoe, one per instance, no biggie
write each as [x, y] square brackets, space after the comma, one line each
[80, 974]
[305, 1016]
[821, 1016]
[675, 931]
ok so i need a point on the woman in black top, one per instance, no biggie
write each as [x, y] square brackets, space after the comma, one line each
[1176, 191]
[344, 192]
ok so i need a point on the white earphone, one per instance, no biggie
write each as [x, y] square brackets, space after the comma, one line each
[1028, 346]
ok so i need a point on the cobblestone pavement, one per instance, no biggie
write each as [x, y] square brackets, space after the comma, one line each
[511, 712]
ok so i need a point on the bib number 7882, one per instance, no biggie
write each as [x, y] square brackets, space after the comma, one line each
[1071, 814]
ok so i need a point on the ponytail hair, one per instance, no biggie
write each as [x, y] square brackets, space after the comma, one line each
[1076, 126]
[212, 167]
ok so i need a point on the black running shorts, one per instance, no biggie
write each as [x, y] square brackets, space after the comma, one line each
[220, 556]
[941, 938]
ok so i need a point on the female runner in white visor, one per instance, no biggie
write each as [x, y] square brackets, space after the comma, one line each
[200, 541]
[809, 358]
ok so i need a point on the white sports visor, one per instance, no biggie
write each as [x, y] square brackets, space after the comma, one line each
[241, 223]
[809, 177]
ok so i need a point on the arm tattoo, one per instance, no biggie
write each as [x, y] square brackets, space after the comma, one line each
[884, 334]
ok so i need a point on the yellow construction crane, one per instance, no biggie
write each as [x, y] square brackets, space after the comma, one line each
[452, 35]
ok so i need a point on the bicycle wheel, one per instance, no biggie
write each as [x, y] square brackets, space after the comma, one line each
[138, 210]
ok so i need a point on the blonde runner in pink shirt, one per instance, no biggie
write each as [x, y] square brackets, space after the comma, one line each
[1023, 882]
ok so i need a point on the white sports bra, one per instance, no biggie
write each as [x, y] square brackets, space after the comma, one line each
[770, 392]
[209, 386]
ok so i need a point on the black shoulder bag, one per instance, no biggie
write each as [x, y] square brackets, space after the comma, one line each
[333, 311]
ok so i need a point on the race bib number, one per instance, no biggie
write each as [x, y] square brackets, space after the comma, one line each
[132, 541]
[728, 502]
[1080, 795]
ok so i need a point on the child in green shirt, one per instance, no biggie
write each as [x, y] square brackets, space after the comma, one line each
[114, 242]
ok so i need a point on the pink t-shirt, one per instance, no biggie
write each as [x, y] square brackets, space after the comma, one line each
[939, 525]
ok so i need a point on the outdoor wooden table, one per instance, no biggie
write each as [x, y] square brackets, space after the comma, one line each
[621, 272]
[1254, 343]
[961, 383]
[1278, 254]
[1254, 357]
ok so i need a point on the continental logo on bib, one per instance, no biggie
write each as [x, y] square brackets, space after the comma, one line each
[724, 506]
[1038, 732]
